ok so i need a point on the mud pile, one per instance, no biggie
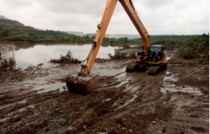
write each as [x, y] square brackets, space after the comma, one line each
[121, 54]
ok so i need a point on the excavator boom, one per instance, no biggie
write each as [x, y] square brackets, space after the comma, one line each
[102, 27]
[82, 83]
[130, 9]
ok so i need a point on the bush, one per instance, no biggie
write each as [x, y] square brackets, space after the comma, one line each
[7, 65]
[66, 59]
[195, 47]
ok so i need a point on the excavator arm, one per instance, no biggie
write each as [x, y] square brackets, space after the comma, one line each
[102, 27]
[81, 82]
[130, 9]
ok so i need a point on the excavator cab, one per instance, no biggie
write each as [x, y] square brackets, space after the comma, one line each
[156, 53]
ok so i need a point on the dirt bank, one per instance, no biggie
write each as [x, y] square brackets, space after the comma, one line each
[175, 101]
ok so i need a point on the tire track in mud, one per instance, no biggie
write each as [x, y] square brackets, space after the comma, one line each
[120, 103]
[42, 102]
[183, 101]
[130, 99]
[159, 101]
[30, 114]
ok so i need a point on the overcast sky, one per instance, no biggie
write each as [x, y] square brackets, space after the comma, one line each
[158, 16]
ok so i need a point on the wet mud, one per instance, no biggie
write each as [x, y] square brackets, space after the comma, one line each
[172, 102]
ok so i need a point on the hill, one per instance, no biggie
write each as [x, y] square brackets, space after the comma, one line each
[14, 31]
[7, 21]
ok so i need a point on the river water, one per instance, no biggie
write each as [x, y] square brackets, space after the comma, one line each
[40, 53]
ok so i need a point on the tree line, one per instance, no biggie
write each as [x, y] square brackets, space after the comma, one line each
[30, 34]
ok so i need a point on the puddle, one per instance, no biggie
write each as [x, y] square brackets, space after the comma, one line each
[180, 102]
[122, 83]
[168, 86]
[168, 58]
[46, 83]
[173, 88]
[132, 89]
[53, 81]
[121, 77]
[50, 87]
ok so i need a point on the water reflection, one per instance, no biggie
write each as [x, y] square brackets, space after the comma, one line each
[43, 53]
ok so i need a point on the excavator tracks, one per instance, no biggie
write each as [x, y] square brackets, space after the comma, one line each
[153, 70]
[136, 67]
[131, 67]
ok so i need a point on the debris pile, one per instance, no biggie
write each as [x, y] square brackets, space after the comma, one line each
[119, 54]
[68, 58]
[9, 72]
[7, 64]
[7, 60]
[101, 60]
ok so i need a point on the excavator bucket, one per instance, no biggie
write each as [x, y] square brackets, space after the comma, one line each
[79, 84]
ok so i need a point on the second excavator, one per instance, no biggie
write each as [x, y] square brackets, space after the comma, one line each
[151, 58]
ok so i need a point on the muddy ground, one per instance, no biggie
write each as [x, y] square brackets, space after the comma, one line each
[175, 101]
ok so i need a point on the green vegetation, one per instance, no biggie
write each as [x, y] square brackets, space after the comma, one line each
[167, 39]
[170, 39]
[22, 33]
[29, 34]
[124, 41]
[196, 47]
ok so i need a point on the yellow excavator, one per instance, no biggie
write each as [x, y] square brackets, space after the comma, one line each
[151, 58]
